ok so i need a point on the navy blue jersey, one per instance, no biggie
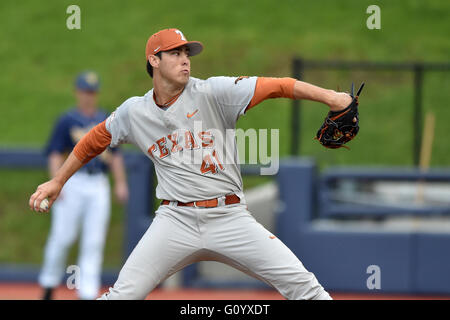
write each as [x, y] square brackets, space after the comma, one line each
[69, 129]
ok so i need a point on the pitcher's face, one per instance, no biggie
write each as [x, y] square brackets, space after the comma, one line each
[175, 65]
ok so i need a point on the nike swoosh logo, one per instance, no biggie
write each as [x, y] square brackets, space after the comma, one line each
[190, 115]
[157, 49]
[272, 237]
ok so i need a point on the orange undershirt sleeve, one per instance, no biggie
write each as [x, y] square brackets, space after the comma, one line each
[93, 143]
[267, 88]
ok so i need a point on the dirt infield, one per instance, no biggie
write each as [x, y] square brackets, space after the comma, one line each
[33, 292]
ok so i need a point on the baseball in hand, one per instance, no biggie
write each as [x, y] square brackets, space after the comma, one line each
[44, 204]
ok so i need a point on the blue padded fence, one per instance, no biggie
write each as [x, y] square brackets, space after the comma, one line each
[410, 262]
[329, 208]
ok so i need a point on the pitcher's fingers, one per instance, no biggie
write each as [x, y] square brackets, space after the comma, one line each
[38, 200]
[32, 198]
[50, 202]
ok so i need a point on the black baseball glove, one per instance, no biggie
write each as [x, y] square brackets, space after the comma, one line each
[342, 126]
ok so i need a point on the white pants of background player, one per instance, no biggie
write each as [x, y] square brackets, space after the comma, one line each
[84, 204]
[229, 234]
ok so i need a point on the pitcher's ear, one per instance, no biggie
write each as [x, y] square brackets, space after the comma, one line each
[153, 60]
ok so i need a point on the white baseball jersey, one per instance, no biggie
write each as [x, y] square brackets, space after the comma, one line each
[192, 142]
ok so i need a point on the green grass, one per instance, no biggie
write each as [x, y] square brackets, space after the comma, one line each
[39, 58]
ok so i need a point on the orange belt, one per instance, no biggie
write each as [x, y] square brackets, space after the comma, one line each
[211, 203]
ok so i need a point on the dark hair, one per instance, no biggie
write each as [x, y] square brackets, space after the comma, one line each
[149, 66]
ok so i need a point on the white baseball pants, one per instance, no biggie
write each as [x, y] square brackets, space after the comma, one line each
[84, 204]
[229, 234]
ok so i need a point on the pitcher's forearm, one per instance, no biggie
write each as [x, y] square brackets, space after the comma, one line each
[304, 90]
[69, 167]
[335, 100]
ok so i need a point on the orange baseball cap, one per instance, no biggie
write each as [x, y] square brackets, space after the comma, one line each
[169, 39]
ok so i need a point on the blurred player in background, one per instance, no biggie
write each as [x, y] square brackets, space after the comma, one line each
[85, 199]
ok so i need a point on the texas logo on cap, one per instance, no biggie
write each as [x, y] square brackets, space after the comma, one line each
[169, 39]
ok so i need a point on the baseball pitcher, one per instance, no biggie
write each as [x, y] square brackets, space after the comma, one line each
[185, 126]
